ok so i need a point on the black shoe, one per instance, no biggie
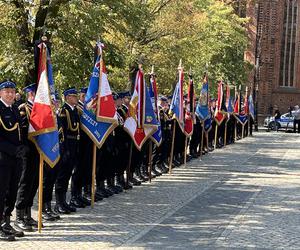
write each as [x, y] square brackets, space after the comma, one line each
[153, 174]
[157, 173]
[75, 202]
[6, 237]
[61, 209]
[139, 178]
[119, 187]
[32, 223]
[102, 193]
[111, 189]
[83, 200]
[47, 216]
[128, 186]
[70, 207]
[135, 182]
[143, 177]
[164, 167]
[194, 155]
[176, 163]
[51, 212]
[8, 229]
[29, 220]
[21, 223]
[98, 197]
[158, 169]
[188, 158]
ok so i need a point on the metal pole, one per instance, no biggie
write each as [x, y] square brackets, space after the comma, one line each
[93, 175]
[40, 194]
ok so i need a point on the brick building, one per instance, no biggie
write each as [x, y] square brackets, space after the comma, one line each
[277, 46]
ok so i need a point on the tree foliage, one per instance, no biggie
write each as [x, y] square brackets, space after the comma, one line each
[205, 34]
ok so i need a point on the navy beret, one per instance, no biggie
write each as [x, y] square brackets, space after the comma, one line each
[84, 90]
[70, 91]
[7, 84]
[30, 88]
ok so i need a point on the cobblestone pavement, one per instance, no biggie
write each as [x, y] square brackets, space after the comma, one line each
[244, 196]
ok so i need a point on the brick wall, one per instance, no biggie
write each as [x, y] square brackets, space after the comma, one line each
[270, 92]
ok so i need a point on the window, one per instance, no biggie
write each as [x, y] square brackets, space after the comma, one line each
[288, 44]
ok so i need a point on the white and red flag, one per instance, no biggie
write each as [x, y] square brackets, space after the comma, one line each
[106, 107]
[42, 123]
[142, 121]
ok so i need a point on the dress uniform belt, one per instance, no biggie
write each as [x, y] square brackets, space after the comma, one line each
[73, 137]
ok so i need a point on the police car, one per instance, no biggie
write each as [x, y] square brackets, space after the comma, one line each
[286, 121]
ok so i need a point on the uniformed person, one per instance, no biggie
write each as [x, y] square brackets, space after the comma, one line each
[82, 174]
[50, 174]
[160, 157]
[123, 141]
[12, 157]
[30, 173]
[70, 123]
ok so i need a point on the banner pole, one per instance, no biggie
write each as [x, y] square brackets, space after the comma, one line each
[93, 175]
[172, 148]
[150, 160]
[216, 133]
[40, 209]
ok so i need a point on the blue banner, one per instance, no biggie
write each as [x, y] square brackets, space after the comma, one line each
[97, 131]
[202, 109]
[241, 118]
[251, 107]
[157, 136]
[207, 124]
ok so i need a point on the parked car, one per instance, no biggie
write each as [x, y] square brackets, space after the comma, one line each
[286, 121]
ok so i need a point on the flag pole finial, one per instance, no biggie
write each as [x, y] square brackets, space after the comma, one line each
[190, 72]
[100, 46]
[180, 65]
[152, 70]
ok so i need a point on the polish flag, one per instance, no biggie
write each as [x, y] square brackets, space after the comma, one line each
[42, 118]
[106, 106]
[141, 122]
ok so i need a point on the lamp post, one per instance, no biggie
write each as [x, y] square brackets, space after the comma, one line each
[259, 28]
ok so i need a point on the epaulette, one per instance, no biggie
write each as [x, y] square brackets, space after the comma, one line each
[62, 112]
[22, 106]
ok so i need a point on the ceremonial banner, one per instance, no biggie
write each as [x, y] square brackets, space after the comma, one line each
[99, 117]
[251, 107]
[141, 122]
[157, 136]
[42, 129]
[189, 111]
[237, 102]
[239, 116]
[220, 105]
[176, 107]
[202, 109]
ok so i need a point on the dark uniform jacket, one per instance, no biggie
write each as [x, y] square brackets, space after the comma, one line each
[10, 133]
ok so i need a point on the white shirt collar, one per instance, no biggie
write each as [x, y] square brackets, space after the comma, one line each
[72, 107]
[6, 105]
